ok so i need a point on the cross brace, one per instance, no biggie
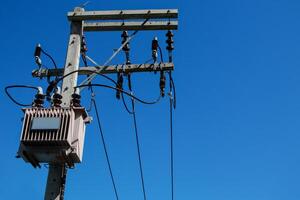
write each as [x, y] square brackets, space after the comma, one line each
[108, 70]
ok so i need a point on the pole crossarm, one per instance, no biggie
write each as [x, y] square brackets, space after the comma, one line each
[126, 26]
[108, 70]
[123, 14]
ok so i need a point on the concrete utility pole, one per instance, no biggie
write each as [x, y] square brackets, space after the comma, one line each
[57, 172]
[79, 23]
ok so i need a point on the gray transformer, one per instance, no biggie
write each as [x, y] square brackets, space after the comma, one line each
[53, 135]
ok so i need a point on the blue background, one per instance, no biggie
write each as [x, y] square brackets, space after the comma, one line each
[236, 131]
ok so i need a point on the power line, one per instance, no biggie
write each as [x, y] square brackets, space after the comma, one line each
[125, 104]
[137, 140]
[172, 88]
[123, 91]
[18, 86]
[171, 144]
[105, 148]
[51, 58]
[93, 101]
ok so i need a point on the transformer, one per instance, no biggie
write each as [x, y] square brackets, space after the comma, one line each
[53, 135]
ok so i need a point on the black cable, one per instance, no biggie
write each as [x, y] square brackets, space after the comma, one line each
[125, 92]
[18, 86]
[48, 77]
[137, 141]
[51, 58]
[105, 149]
[172, 105]
[161, 54]
[83, 70]
[125, 104]
[171, 143]
[173, 89]
[54, 83]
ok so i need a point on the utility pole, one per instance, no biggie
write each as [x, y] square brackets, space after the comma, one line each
[57, 172]
[58, 151]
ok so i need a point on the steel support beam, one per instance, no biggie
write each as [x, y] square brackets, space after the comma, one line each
[108, 70]
[124, 14]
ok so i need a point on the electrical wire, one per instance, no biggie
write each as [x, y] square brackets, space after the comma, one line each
[172, 106]
[161, 54]
[18, 86]
[137, 140]
[125, 104]
[83, 70]
[173, 89]
[105, 148]
[51, 58]
[171, 136]
[122, 91]
[122, 95]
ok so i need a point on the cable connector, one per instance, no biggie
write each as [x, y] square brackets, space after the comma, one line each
[154, 48]
[119, 85]
[162, 83]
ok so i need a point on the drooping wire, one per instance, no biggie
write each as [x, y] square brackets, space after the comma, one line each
[51, 58]
[137, 139]
[125, 104]
[171, 135]
[173, 89]
[122, 95]
[104, 145]
[161, 54]
[83, 70]
[18, 86]
[53, 84]
[122, 91]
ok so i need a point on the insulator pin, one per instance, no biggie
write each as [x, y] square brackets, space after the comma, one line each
[57, 98]
[170, 41]
[76, 100]
[39, 100]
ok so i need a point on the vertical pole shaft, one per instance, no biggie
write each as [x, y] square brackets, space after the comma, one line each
[57, 171]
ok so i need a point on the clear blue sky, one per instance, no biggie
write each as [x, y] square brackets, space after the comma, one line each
[237, 130]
